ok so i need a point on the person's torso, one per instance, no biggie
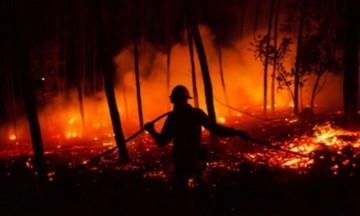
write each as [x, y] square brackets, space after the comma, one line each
[186, 129]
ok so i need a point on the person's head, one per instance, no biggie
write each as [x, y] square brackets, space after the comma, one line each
[179, 95]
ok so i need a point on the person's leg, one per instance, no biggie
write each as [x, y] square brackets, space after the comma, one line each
[179, 193]
[204, 196]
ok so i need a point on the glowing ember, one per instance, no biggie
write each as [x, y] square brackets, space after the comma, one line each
[328, 147]
[325, 136]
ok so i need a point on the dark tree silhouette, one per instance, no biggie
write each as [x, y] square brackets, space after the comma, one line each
[298, 58]
[193, 72]
[266, 63]
[137, 79]
[222, 77]
[256, 20]
[104, 43]
[203, 62]
[273, 75]
[351, 64]
[20, 54]
[138, 30]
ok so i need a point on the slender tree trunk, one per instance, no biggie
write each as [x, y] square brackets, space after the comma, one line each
[81, 105]
[126, 109]
[168, 61]
[301, 97]
[82, 62]
[108, 70]
[97, 85]
[138, 23]
[273, 76]
[169, 39]
[316, 85]
[257, 12]
[74, 53]
[297, 63]
[62, 36]
[21, 63]
[266, 63]
[351, 64]
[203, 64]
[168, 55]
[137, 79]
[4, 74]
[287, 86]
[242, 18]
[222, 77]
[193, 72]
[8, 96]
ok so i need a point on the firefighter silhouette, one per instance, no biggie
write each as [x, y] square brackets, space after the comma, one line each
[183, 126]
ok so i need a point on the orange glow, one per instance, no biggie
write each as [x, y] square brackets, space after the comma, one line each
[71, 121]
[222, 120]
[61, 121]
[12, 137]
[324, 134]
[243, 76]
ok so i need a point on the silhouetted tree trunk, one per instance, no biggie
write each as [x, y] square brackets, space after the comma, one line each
[257, 12]
[126, 107]
[104, 43]
[273, 76]
[21, 63]
[223, 85]
[315, 90]
[137, 78]
[7, 97]
[266, 62]
[203, 64]
[74, 52]
[193, 72]
[168, 57]
[82, 61]
[297, 63]
[137, 35]
[351, 64]
[61, 40]
[81, 104]
[168, 62]
[242, 18]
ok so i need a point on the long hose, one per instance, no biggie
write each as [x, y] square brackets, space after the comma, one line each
[268, 145]
[127, 140]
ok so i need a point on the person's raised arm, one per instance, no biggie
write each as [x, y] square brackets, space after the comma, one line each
[162, 138]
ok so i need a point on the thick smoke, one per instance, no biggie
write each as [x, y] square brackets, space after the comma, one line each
[242, 73]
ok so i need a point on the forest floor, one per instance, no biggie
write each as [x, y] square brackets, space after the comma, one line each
[241, 182]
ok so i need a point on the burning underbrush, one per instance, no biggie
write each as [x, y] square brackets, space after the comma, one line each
[300, 168]
[302, 149]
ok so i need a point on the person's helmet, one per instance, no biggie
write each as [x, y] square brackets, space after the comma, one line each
[179, 93]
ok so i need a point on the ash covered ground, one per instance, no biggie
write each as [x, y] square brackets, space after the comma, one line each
[245, 178]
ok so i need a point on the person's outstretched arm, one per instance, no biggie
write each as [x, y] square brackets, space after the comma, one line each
[162, 138]
[222, 131]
